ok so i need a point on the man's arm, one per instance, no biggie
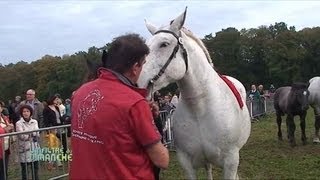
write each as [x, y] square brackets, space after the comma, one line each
[159, 155]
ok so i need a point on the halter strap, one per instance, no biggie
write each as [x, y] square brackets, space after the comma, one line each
[173, 54]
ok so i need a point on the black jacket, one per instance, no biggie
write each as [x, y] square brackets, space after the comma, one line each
[49, 117]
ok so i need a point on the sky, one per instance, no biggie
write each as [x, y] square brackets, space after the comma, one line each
[31, 29]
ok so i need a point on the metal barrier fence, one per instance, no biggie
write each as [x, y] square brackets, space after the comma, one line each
[167, 123]
[53, 163]
[38, 154]
[256, 108]
[260, 107]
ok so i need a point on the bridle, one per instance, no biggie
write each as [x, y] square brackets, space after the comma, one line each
[173, 55]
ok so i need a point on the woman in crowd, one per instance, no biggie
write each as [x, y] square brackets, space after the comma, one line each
[28, 142]
[52, 117]
[5, 127]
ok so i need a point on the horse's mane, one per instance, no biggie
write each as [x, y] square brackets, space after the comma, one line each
[299, 85]
[199, 42]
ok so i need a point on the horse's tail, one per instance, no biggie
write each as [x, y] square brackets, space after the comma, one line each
[276, 99]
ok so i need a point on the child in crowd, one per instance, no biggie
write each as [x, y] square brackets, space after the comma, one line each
[53, 145]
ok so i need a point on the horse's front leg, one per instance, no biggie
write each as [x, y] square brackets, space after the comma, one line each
[186, 164]
[291, 127]
[303, 127]
[230, 167]
[209, 171]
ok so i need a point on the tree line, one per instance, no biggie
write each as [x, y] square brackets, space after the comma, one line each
[275, 54]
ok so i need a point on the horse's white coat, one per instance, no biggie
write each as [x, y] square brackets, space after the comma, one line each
[314, 101]
[209, 126]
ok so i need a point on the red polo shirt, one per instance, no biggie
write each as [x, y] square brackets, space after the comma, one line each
[112, 126]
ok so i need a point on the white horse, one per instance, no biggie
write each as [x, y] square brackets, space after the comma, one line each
[210, 127]
[314, 101]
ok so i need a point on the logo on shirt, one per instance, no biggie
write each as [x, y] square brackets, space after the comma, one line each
[88, 106]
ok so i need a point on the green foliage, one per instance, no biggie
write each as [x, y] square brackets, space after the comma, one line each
[265, 55]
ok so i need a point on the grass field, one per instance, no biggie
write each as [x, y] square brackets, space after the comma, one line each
[264, 157]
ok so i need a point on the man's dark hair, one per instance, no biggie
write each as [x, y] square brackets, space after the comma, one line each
[124, 52]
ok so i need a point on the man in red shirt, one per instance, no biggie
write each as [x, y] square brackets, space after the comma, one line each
[113, 132]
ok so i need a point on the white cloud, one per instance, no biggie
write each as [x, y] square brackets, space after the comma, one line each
[31, 29]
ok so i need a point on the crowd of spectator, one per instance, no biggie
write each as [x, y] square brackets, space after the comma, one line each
[257, 97]
[31, 114]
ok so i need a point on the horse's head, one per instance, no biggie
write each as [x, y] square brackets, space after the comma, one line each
[167, 61]
[301, 94]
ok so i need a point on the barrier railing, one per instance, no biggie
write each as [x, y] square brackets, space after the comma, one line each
[256, 108]
[32, 157]
[166, 119]
[259, 107]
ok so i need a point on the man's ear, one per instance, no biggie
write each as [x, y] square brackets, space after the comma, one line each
[135, 68]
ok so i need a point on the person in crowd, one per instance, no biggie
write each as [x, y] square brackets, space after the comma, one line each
[5, 110]
[254, 97]
[52, 117]
[167, 105]
[174, 100]
[261, 90]
[68, 107]
[254, 93]
[272, 88]
[53, 144]
[5, 127]
[36, 105]
[13, 115]
[28, 142]
[262, 99]
[61, 107]
[67, 118]
[113, 132]
[156, 97]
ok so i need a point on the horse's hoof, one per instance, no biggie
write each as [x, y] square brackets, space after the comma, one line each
[316, 141]
[292, 143]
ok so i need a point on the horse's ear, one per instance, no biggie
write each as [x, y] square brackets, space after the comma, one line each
[104, 58]
[178, 23]
[91, 65]
[92, 70]
[151, 28]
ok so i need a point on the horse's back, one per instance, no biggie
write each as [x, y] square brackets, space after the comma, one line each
[241, 89]
[281, 99]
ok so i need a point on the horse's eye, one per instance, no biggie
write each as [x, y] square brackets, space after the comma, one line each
[164, 44]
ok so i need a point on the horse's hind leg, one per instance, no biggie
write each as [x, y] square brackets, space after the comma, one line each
[209, 171]
[316, 109]
[186, 163]
[230, 167]
[317, 127]
[279, 121]
[303, 127]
